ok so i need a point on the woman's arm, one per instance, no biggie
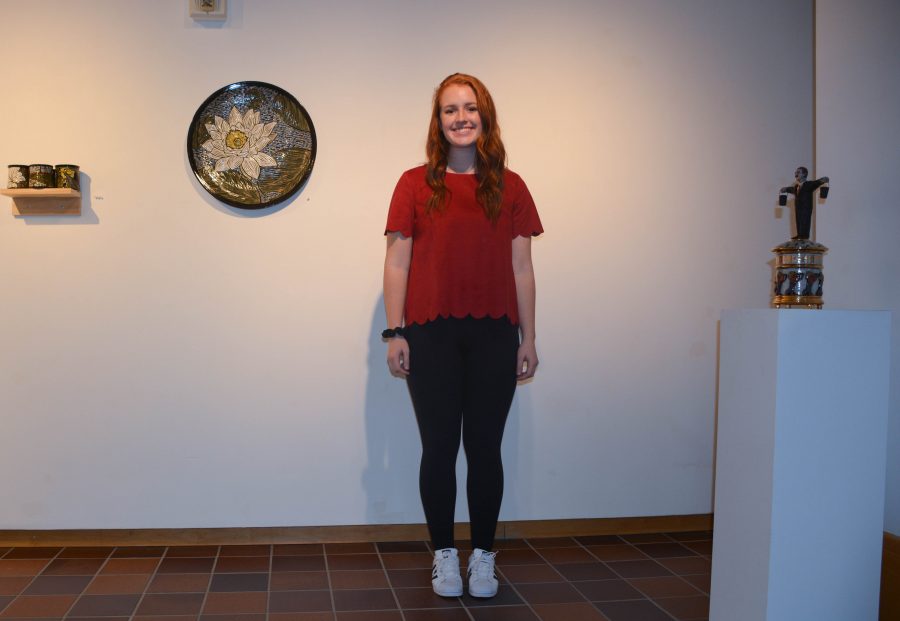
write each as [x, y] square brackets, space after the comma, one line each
[396, 273]
[526, 360]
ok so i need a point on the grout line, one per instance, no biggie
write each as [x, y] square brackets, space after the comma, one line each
[153, 575]
[388, 579]
[328, 578]
[269, 579]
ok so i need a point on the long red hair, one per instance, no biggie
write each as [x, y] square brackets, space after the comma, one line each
[490, 158]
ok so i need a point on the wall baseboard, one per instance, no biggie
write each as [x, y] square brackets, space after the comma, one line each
[890, 579]
[342, 534]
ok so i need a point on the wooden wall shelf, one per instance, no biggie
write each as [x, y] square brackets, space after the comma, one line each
[45, 202]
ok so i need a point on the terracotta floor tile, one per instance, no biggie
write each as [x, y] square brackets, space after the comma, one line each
[13, 585]
[445, 614]
[73, 567]
[687, 565]
[6, 600]
[402, 546]
[554, 593]
[241, 564]
[424, 597]
[585, 571]
[118, 585]
[224, 583]
[505, 597]
[130, 566]
[509, 544]
[519, 557]
[636, 610]
[235, 603]
[85, 552]
[530, 573]
[186, 565]
[686, 608]
[701, 581]
[638, 569]
[301, 616]
[139, 552]
[47, 606]
[300, 601]
[179, 583]
[353, 561]
[566, 555]
[298, 563]
[349, 548]
[646, 538]
[165, 618]
[104, 605]
[359, 579]
[664, 586]
[409, 578]
[598, 540]
[246, 550]
[407, 560]
[553, 542]
[32, 553]
[370, 615]
[233, 617]
[192, 551]
[22, 567]
[298, 549]
[4, 550]
[364, 599]
[171, 604]
[664, 550]
[58, 585]
[568, 612]
[621, 552]
[700, 547]
[299, 581]
[607, 590]
[503, 613]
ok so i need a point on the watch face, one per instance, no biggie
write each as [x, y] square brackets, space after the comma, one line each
[251, 145]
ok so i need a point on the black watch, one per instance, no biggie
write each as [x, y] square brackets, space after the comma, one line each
[392, 332]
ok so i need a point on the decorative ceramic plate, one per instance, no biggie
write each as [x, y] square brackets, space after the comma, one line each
[251, 144]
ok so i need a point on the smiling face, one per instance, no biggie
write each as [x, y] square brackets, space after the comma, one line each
[460, 120]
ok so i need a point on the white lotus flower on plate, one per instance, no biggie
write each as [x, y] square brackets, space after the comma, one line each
[239, 141]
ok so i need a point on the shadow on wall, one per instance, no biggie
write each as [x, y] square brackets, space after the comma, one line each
[391, 477]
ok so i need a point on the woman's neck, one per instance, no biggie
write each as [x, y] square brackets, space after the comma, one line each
[461, 160]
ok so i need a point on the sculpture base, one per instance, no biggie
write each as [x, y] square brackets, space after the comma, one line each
[798, 274]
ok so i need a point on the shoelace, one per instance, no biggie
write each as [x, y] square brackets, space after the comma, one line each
[484, 566]
[445, 567]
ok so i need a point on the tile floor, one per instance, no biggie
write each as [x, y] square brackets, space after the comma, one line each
[653, 577]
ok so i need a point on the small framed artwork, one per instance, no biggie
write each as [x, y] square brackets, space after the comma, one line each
[207, 10]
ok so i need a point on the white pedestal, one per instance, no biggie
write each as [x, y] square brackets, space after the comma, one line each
[800, 465]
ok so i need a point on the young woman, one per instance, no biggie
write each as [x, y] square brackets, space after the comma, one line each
[459, 297]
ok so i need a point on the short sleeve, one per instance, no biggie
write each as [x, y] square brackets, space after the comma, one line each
[403, 208]
[526, 222]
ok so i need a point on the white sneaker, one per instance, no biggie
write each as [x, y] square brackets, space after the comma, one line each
[445, 578]
[482, 579]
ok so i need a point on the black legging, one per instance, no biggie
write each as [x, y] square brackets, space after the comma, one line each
[462, 378]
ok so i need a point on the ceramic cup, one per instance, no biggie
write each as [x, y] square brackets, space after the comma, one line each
[40, 176]
[67, 176]
[18, 177]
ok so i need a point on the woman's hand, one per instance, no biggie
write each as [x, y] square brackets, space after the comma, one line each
[398, 356]
[526, 361]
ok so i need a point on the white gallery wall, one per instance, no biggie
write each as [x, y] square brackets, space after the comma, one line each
[857, 138]
[169, 361]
